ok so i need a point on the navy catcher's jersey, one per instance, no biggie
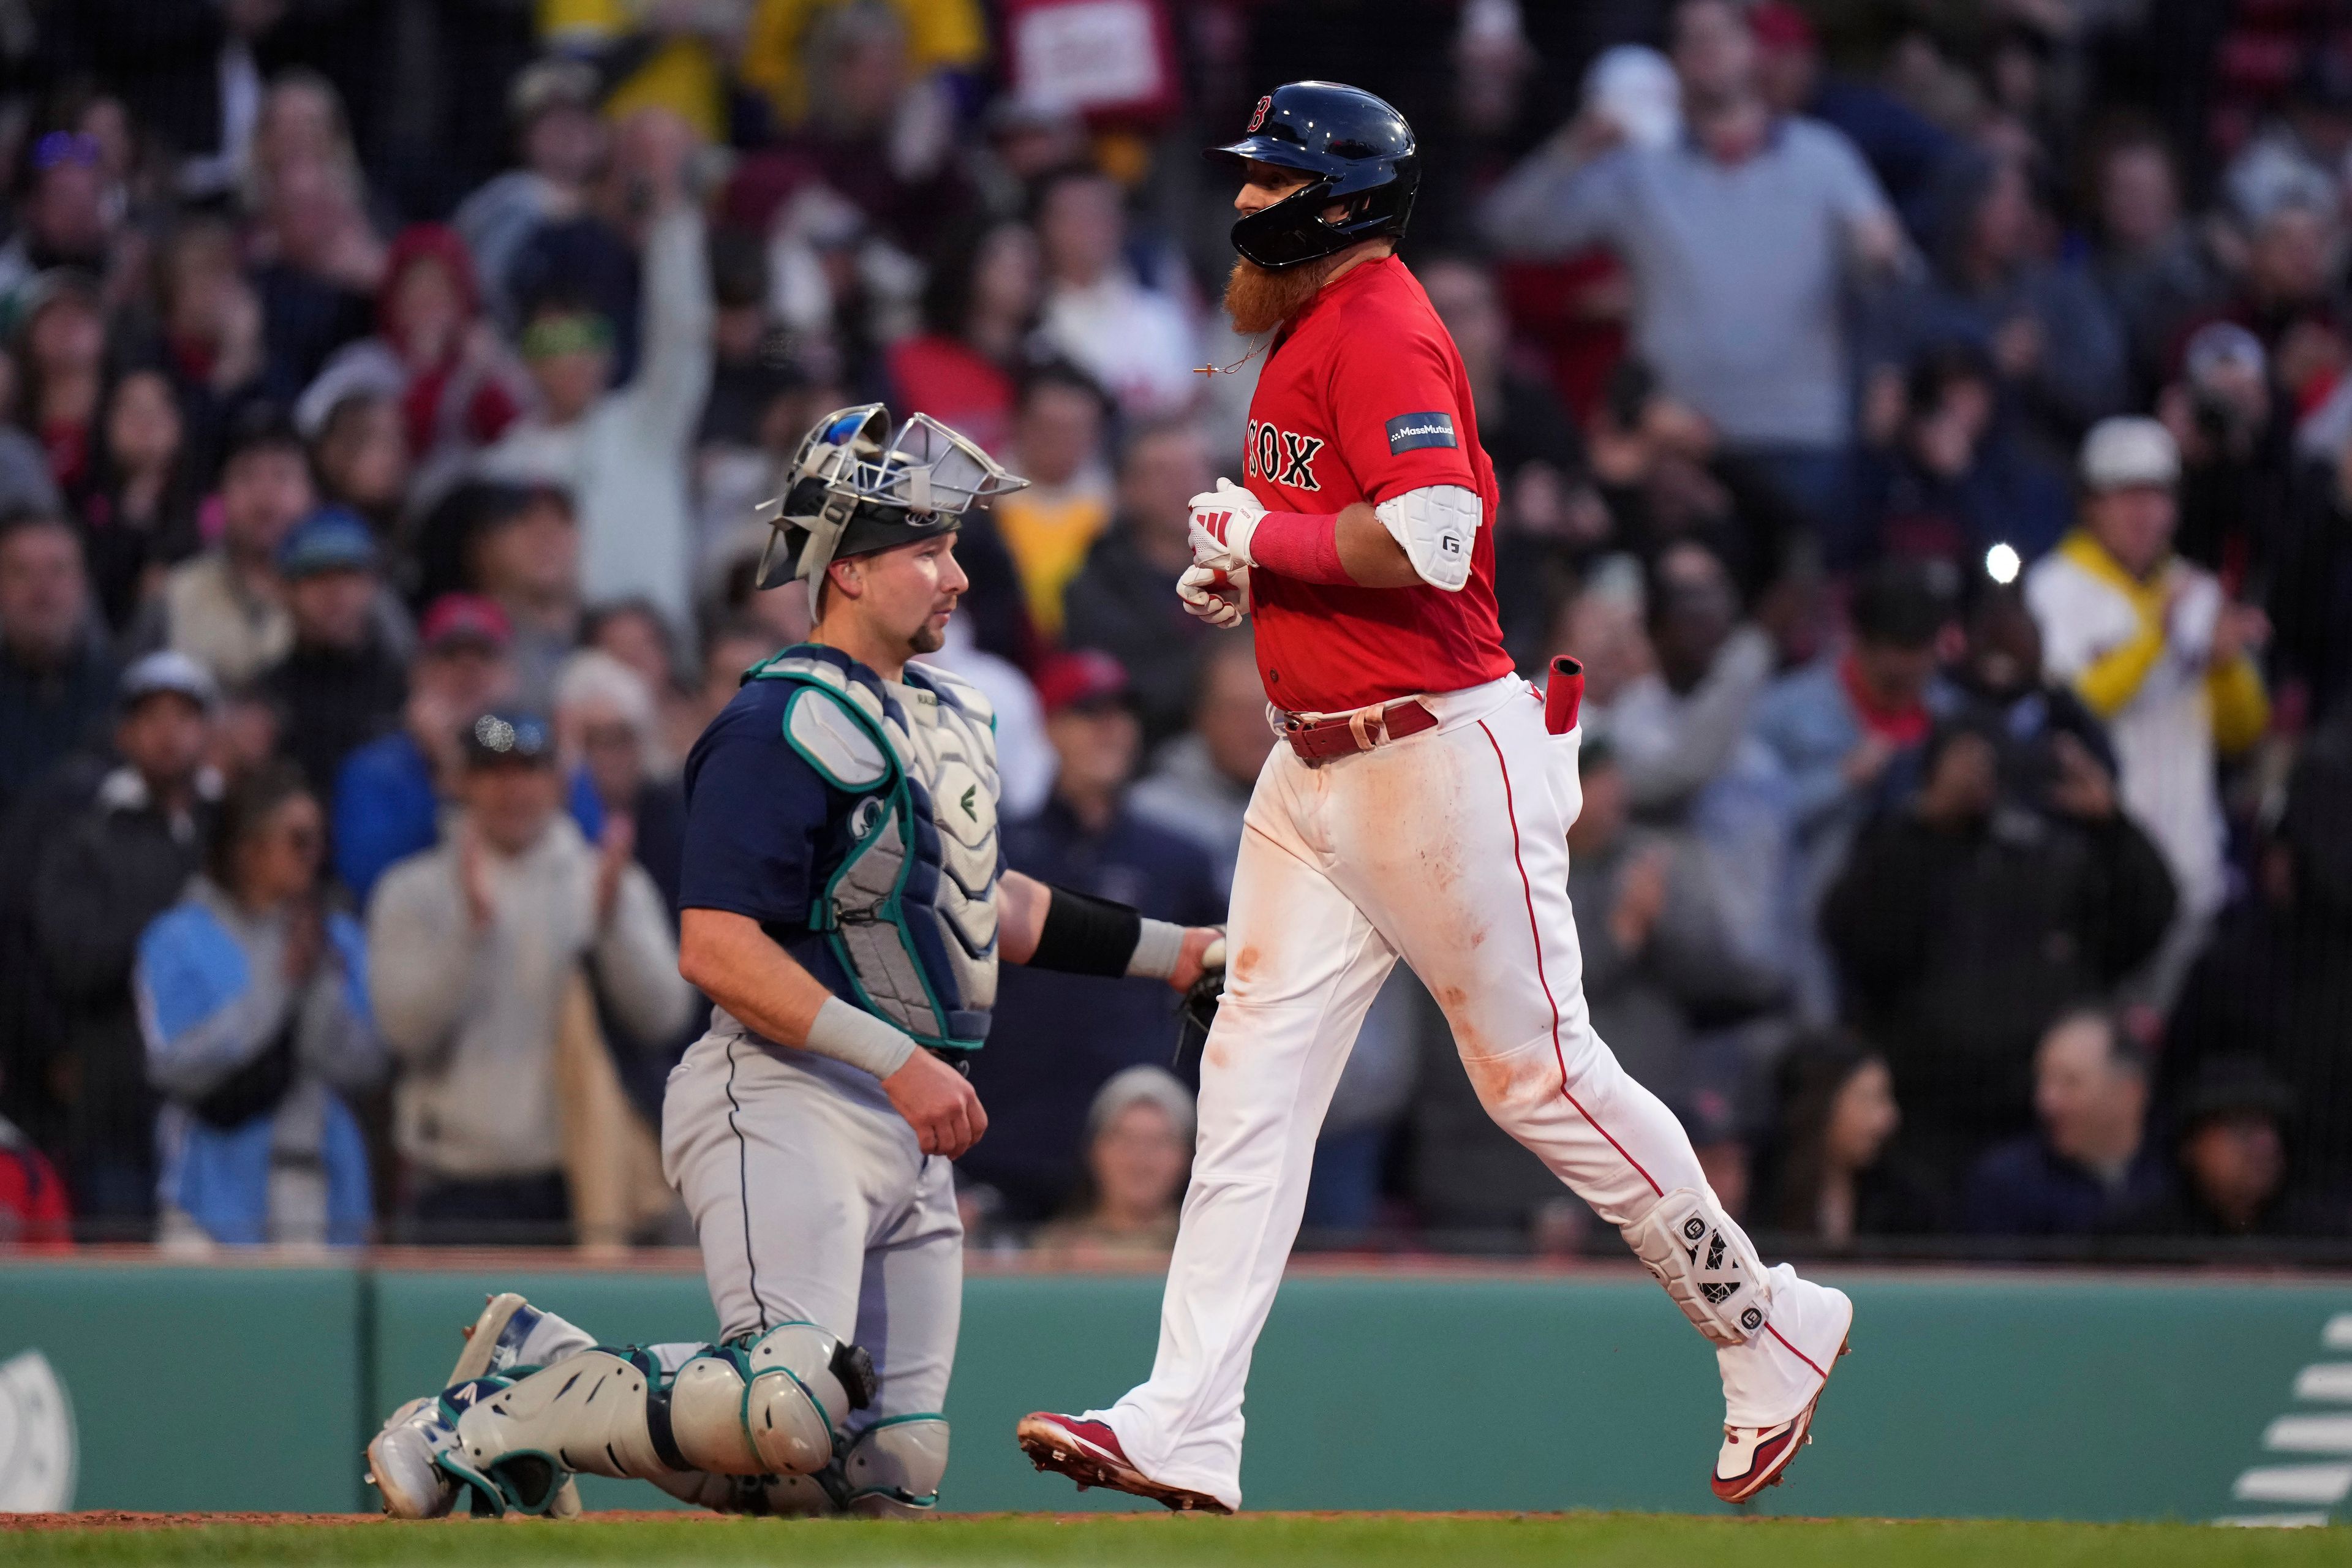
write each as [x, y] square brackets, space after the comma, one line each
[763, 832]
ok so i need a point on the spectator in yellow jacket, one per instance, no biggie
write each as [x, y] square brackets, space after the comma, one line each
[2157, 649]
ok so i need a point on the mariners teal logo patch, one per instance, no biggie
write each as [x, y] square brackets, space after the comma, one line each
[1409, 432]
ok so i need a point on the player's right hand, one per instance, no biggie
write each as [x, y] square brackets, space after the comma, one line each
[1220, 523]
[938, 1103]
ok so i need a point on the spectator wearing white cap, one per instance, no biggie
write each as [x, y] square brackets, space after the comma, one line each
[2152, 645]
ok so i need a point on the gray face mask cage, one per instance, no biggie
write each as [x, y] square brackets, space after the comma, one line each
[931, 469]
[852, 473]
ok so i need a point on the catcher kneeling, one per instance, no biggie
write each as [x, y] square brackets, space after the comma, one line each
[845, 903]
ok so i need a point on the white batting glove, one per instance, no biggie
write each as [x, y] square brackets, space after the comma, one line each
[1222, 520]
[1219, 598]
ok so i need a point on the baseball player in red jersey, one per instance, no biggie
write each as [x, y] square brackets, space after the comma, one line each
[1419, 811]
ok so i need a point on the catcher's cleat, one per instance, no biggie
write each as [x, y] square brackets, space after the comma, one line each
[482, 1337]
[511, 1336]
[1088, 1453]
[402, 1461]
[495, 1344]
[1754, 1458]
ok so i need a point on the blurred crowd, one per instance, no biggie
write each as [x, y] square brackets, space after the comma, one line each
[1929, 425]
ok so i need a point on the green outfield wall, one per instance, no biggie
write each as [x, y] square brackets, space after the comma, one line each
[1968, 1395]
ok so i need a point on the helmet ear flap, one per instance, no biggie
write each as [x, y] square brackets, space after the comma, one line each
[776, 559]
[780, 558]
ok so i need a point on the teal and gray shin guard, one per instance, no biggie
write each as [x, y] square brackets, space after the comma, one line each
[771, 1408]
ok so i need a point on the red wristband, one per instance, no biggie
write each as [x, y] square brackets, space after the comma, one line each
[1300, 545]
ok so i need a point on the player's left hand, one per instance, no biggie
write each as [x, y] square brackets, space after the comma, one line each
[1202, 956]
[1219, 598]
[1222, 520]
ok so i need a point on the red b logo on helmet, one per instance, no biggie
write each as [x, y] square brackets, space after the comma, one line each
[1257, 115]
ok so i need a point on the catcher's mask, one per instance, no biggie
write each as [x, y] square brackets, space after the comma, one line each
[854, 489]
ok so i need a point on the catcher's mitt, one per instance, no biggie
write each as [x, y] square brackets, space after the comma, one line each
[1197, 1008]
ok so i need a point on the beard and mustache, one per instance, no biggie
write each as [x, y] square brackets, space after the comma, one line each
[1259, 299]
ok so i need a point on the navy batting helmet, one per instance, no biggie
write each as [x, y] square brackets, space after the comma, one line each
[1359, 151]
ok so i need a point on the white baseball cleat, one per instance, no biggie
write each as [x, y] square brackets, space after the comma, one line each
[402, 1462]
[1754, 1458]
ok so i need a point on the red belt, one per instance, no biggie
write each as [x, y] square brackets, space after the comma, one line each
[1343, 735]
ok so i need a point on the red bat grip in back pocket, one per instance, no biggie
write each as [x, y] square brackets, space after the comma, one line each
[1563, 694]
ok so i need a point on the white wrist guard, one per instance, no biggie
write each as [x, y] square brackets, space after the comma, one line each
[1156, 948]
[847, 1034]
[1437, 528]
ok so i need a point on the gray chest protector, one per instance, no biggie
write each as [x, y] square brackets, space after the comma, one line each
[910, 911]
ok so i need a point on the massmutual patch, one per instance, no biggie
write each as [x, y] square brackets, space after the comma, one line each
[1410, 431]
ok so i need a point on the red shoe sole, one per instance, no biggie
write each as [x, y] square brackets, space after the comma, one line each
[1054, 1446]
[1776, 1469]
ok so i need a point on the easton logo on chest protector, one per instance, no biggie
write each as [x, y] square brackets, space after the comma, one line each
[1283, 456]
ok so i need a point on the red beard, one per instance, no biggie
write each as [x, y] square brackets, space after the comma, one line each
[1260, 301]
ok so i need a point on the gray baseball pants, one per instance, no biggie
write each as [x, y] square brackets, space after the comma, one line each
[813, 1203]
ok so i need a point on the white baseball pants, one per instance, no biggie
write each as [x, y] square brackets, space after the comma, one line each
[1449, 849]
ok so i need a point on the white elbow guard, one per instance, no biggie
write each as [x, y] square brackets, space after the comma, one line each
[1438, 526]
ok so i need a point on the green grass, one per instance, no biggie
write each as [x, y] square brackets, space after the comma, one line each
[1549, 1541]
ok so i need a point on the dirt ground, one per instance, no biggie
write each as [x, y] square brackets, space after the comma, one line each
[117, 1519]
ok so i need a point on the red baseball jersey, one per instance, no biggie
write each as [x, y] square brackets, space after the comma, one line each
[1363, 399]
